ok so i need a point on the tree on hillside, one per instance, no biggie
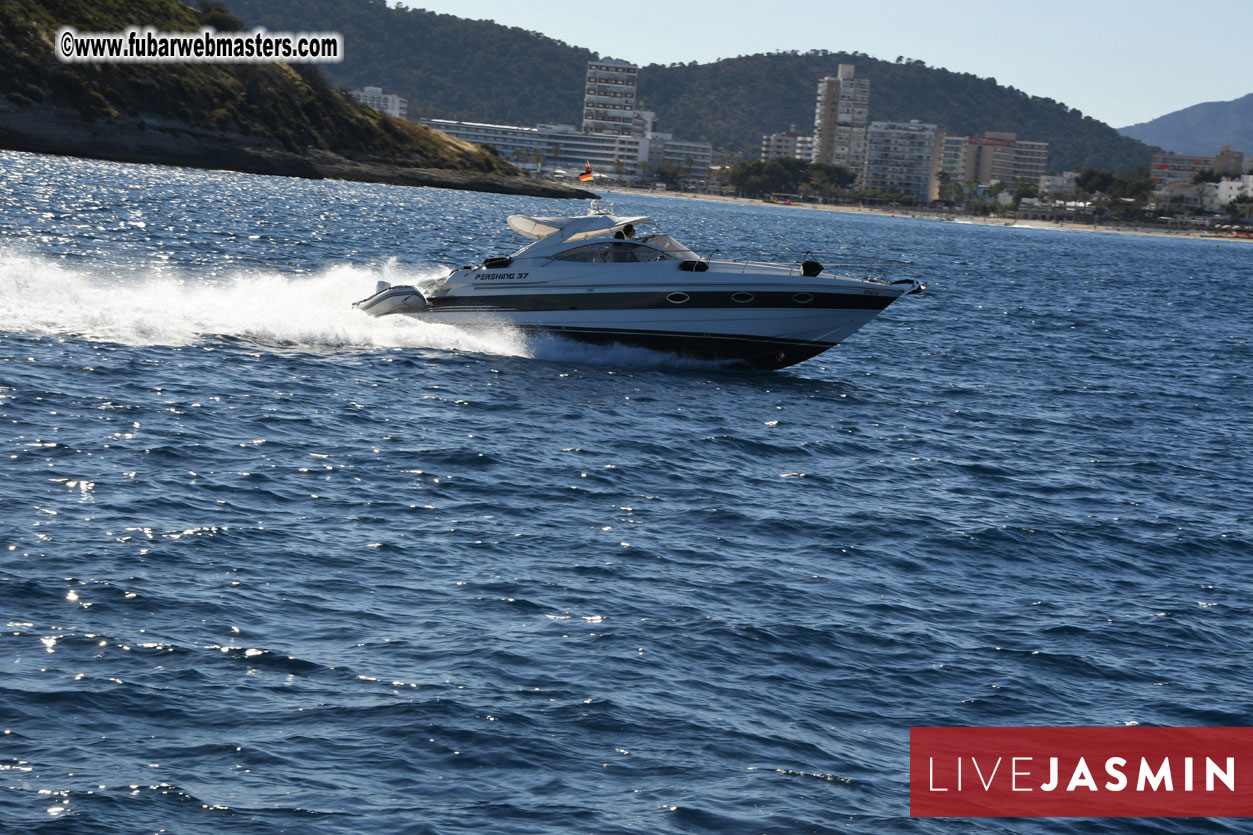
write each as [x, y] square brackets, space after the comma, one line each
[1095, 182]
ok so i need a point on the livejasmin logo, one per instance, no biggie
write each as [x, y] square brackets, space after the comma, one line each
[1081, 772]
[1081, 775]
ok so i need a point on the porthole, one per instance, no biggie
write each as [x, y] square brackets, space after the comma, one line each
[803, 298]
[742, 298]
[677, 298]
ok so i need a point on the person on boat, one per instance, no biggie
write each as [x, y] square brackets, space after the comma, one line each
[621, 252]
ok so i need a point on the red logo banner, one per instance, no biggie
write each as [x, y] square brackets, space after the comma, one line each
[1080, 772]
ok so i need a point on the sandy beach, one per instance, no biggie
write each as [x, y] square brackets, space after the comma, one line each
[924, 214]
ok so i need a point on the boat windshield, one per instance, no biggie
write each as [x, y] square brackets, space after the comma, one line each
[670, 245]
[614, 252]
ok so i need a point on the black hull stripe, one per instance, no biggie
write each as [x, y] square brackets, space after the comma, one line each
[656, 300]
[756, 352]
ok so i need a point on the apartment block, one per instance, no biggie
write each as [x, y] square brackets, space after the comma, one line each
[609, 97]
[1181, 168]
[953, 158]
[788, 144]
[1001, 156]
[841, 116]
[692, 158]
[904, 157]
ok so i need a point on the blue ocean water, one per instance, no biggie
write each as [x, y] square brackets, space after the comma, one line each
[268, 565]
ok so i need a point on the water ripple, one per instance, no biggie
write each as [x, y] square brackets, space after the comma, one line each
[270, 565]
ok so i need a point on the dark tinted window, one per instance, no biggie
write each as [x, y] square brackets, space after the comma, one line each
[613, 252]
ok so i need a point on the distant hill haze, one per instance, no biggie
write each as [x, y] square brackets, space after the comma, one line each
[1201, 129]
[449, 67]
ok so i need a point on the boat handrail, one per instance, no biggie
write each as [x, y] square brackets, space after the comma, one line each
[840, 258]
[875, 269]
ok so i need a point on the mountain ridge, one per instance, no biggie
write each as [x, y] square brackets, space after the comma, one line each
[1200, 129]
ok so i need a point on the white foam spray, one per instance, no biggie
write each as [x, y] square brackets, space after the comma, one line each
[279, 309]
[271, 308]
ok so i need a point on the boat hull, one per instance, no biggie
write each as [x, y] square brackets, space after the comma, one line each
[748, 352]
[758, 338]
[750, 315]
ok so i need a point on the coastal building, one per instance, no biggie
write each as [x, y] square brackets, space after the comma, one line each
[692, 158]
[1168, 169]
[388, 103]
[551, 148]
[904, 158]
[609, 97]
[1229, 163]
[953, 158]
[1187, 196]
[1003, 157]
[1059, 183]
[841, 115]
[1179, 197]
[1182, 168]
[1229, 188]
[788, 144]
[564, 148]
[618, 141]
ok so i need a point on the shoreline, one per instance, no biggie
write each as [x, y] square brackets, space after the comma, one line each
[58, 132]
[924, 214]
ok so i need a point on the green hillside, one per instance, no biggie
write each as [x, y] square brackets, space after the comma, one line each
[739, 99]
[449, 67]
[289, 109]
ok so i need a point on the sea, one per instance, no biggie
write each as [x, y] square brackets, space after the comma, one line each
[268, 565]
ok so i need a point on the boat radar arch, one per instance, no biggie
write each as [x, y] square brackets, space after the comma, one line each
[570, 228]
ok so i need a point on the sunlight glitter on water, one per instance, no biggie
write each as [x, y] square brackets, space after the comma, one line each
[972, 514]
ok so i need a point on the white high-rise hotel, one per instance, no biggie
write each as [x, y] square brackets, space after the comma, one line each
[840, 119]
[609, 99]
[841, 115]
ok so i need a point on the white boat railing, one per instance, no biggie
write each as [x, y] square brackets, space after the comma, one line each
[843, 264]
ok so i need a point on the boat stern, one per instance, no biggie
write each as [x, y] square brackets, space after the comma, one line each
[389, 299]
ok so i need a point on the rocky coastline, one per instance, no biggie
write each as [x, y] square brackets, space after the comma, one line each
[63, 131]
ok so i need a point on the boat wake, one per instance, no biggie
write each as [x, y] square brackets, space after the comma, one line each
[273, 309]
[267, 308]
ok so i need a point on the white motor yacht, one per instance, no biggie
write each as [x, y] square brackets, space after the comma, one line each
[584, 278]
